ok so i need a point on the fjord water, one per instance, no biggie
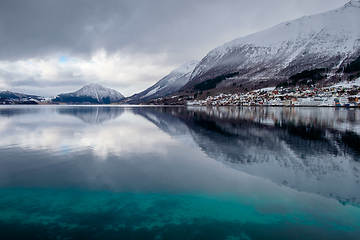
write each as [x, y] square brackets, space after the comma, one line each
[109, 172]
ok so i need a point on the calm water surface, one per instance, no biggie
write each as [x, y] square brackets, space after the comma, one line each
[88, 172]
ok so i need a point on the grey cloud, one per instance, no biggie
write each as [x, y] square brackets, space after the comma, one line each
[8, 75]
[38, 28]
[46, 88]
[181, 28]
[32, 82]
[21, 80]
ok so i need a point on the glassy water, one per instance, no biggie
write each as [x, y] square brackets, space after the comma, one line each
[89, 172]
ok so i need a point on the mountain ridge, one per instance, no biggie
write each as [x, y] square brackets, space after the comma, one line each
[169, 84]
[328, 40]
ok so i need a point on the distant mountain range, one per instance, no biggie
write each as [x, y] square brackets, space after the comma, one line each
[89, 94]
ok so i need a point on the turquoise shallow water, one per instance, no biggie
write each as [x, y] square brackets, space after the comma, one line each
[85, 172]
[77, 214]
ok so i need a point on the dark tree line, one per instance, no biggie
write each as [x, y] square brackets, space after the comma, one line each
[314, 74]
[308, 77]
[354, 66]
[211, 83]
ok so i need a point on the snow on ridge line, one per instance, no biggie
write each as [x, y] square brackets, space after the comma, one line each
[314, 23]
[97, 89]
[172, 82]
[187, 67]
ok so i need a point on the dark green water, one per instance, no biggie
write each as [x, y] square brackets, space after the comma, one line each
[82, 172]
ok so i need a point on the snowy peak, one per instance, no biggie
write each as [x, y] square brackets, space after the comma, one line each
[346, 16]
[97, 91]
[327, 40]
[91, 93]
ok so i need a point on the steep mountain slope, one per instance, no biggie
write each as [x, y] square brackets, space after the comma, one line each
[167, 85]
[328, 40]
[91, 93]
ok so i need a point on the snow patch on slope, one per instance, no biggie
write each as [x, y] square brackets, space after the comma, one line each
[152, 92]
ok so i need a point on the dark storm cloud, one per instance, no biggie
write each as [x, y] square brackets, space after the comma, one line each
[45, 27]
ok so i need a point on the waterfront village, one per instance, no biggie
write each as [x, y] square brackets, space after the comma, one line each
[346, 94]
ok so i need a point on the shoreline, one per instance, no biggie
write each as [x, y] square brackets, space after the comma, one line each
[179, 105]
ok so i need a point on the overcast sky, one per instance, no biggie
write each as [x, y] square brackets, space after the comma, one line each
[52, 46]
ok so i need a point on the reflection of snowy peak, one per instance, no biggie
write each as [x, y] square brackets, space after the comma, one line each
[92, 115]
[92, 93]
[326, 40]
[167, 85]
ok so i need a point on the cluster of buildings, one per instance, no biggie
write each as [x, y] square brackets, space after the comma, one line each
[337, 95]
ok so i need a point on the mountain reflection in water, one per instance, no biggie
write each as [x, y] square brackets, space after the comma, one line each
[315, 150]
[140, 172]
[308, 149]
[92, 114]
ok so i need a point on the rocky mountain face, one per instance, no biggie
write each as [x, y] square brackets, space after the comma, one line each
[328, 40]
[91, 93]
[167, 85]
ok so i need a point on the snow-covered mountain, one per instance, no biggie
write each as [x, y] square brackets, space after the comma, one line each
[91, 93]
[327, 40]
[167, 85]
[8, 97]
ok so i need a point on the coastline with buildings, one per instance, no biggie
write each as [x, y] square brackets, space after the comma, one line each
[345, 94]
